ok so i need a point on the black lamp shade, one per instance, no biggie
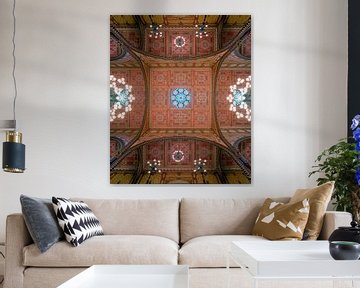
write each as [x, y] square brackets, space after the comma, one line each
[13, 157]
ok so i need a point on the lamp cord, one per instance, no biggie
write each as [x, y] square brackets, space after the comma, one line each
[2, 280]
[14, 61]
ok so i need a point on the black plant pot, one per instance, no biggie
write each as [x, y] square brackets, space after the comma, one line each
[351, 233]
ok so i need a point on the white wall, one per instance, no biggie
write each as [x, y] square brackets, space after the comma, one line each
[299, 104]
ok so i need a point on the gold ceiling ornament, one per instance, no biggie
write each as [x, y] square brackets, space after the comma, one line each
[121, 98]
[240, 98]
[201, 30]
[179, 41]
[155, 31]
[199, 166]
[154, 166]
[178, 155]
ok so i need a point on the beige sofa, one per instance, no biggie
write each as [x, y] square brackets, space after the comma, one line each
[194, 232]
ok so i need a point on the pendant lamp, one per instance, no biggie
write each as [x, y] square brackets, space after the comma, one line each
[13, 160]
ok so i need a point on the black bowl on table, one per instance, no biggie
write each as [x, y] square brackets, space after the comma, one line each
[344, 250]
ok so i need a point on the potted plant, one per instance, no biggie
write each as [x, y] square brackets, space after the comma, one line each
[341, 163]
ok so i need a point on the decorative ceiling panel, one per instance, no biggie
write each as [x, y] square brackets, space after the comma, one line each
[163, 113]
[133, 119]
[181, 118]
[226, 78]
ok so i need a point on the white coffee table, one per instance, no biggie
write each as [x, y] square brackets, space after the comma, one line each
[297, 260]
[131, 276]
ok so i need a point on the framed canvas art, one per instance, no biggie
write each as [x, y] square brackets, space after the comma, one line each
[180, 99]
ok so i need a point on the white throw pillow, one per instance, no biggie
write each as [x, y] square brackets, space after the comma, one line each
[77, 220]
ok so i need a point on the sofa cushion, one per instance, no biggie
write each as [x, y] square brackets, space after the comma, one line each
[279, 221]
[201, 217]
[211, 251]
[158, 217]
[77, 220]
[107, 249]
[41, 221]
[319, 198]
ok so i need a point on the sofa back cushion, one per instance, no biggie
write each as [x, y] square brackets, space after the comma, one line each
[200, 217]
[158, 217]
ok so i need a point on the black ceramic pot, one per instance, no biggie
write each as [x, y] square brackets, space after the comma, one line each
[344, 250]
[351, 233]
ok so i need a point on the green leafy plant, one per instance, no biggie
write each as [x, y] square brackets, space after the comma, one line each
[339, 163]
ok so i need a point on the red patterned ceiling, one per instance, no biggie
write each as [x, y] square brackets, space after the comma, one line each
[168, 128]
[166, 46]
[193, 150]
[197, 81]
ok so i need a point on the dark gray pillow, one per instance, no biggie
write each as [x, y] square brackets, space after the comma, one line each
[41, 221]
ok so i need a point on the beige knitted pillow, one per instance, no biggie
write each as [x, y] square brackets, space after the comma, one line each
[279, 221]
[319, 198]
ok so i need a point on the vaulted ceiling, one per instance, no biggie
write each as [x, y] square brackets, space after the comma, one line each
[180, 83]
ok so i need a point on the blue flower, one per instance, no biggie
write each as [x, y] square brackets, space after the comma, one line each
[356, 134]
[355, 122]
[357, 176]
[357, 147]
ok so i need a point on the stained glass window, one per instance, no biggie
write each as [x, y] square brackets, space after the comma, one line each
[179, 41]
[180, 98]
[239, 97]
[124, 97]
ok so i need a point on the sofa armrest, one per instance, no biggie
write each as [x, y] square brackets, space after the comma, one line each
[17, 237]
[333, 220]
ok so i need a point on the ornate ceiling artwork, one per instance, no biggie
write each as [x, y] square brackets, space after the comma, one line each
[180, 99]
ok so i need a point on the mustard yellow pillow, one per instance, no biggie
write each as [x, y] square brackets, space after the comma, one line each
[319, 198]
[279, 221]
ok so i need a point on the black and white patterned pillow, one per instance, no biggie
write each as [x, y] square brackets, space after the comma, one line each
[77, 220]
